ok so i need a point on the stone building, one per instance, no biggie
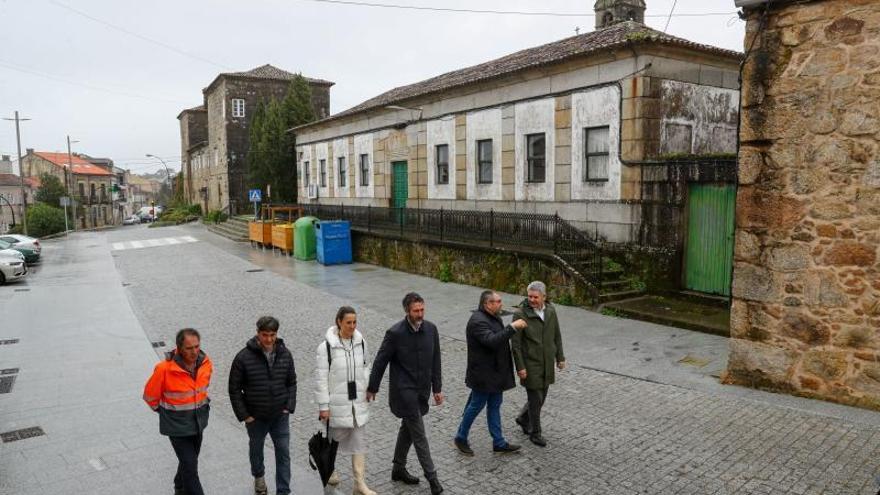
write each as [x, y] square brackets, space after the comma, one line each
[581, 127]
[214, 136]
[11, 204]
[806, 291]
[90, 184]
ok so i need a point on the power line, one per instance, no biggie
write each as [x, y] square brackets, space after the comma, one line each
[53, 77]
[137, 35]
[498, 12]
[671, 11]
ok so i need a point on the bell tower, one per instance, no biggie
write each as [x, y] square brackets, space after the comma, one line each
[609, 12]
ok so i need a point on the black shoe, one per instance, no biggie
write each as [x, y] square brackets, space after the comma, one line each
[524, 425]
[463, 447]
[436, 487]
[538, 440]
[507, 448]
[401, 474]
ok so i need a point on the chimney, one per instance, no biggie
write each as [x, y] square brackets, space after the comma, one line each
[5, 158]
[29, 151]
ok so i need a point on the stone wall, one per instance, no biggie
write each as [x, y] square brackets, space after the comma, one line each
[806, 308]
[503, 271]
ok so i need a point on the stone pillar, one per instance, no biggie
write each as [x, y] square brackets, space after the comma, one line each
[806, 292]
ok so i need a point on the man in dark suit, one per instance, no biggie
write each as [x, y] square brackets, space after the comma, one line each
[489, 371]
[412, 348]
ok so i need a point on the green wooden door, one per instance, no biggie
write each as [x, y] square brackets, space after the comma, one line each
[709, 255]
[399, 189]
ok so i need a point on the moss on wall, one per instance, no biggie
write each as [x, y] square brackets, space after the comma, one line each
[499, 270]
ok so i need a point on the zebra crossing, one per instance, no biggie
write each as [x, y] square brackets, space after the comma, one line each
[150, 243]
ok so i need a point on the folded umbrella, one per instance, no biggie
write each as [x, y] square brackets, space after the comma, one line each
[322, 454]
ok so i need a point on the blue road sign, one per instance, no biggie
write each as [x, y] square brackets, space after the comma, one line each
[255, 195]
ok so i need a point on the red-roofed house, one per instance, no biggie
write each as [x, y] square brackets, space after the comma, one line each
[89, 184]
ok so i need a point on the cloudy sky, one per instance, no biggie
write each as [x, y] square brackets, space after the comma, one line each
[114, 74]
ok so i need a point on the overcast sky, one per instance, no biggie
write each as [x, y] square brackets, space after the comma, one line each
[114, 74]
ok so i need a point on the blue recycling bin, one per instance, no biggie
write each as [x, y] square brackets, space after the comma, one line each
[334, 242]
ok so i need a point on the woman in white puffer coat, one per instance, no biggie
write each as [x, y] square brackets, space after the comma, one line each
[341, 378]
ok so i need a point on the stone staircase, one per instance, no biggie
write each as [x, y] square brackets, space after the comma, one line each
[236, 228]
[614, 283]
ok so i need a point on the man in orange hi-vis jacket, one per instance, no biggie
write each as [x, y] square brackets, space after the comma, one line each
[178, 391]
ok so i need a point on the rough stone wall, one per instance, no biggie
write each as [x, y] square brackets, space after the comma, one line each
[502, 271]
[806, 307]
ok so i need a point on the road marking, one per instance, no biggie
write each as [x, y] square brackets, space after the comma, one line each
[157, 242]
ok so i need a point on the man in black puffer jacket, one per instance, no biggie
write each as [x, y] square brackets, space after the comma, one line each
[262, 389]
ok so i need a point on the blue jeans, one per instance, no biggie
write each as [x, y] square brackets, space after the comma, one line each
[475, 404]
[279, 430]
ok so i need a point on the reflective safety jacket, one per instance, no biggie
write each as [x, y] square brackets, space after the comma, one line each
[180, 399]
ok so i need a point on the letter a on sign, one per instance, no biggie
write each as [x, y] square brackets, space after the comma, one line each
[255, 195]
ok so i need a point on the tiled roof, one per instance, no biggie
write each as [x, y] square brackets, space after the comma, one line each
[80, 166]
[618, 35]
[13, 180]
[267, 71]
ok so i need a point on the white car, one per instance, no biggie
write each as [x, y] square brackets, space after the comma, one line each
[12, 266]
[132, 220]
[24, 241]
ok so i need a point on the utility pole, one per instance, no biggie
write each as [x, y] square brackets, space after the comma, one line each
[68, 177]
[21, 173]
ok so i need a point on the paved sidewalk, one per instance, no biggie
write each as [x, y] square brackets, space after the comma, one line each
[83, 359]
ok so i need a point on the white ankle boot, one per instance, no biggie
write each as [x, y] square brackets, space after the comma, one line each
[359, 469]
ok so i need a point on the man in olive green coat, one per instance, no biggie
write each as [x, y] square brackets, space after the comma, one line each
[536, 350]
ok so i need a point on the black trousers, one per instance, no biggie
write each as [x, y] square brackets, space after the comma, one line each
[187, 450]
[530, 413]
[412, 432]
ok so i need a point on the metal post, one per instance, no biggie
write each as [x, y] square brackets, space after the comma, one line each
[369, 218]
[492, 227]
[69, 177]
[441, 223]
[555, 233]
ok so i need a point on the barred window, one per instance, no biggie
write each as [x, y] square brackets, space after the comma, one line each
[342, 171]
[322, 169]
[365, 169]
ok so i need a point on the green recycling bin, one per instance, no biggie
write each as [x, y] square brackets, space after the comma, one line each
[305, 243]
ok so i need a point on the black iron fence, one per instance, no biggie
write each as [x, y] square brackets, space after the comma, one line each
[548, 234]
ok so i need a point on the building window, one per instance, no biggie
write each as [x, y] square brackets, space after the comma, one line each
[484, 161]
[322, 169]
[342, 171]
[82, 191]
[536, 151]
[307, 174]
[365, 169]
[596, 155]
[442, 158]
[237, 108]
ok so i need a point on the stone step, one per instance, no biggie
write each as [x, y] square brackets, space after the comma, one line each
[228, 233]
[607, 297]
[231, 229]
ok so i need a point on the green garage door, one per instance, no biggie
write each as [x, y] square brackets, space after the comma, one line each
[709, 255]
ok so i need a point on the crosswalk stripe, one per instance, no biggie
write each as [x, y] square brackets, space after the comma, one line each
[155, 242]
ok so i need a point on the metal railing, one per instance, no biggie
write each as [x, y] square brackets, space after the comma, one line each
[548, 234]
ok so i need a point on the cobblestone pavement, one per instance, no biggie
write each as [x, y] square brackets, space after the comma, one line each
[607, 433]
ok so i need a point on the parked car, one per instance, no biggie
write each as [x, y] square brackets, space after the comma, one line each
[31, 252]
[132, 220]
[12, 265]
[18, 240]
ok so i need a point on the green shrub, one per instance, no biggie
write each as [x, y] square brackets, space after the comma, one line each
[445, 272]
[215, 216]
[612, 312]
[565, 300]
[43, 220]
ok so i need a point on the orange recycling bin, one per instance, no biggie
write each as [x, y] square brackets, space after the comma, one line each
[260, 232]
[282, 237]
